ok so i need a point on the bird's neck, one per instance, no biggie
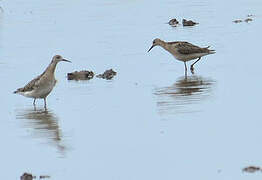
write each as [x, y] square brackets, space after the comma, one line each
[164, 45]
[51, 68]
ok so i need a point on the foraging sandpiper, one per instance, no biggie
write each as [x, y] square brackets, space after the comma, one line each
[183, 51]
[42, 85]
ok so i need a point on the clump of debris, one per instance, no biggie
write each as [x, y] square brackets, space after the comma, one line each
[173, 22]
[44, 176]
[87, 75]
[108, 74]
[28, 176]
[237, 21]
[189, 22]
[80, 75]
[251, 169]
[248, 19]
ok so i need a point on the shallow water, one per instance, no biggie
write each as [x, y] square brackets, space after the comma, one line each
[184, 96]
[149, 122]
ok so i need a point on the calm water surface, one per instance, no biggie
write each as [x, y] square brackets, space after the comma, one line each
[149, 122]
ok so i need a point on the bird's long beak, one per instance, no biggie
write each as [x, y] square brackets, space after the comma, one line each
[151, 47]
[66, 60]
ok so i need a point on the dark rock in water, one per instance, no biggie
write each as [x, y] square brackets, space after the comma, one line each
[80, 75]
[108, 74]
[173, 22]
[251, 169]
[248, 19]
[237, 21]
[27, 176]
[188, 23]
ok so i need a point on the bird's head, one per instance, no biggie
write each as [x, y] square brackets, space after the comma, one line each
[58, 58]
[156, 42]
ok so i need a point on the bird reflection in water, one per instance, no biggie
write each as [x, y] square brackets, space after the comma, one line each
[44, 125]
[184, 95]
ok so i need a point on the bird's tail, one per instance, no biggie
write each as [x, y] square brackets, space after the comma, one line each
[210, 51]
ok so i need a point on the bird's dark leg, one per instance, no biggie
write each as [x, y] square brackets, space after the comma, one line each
[192, 66]
[34, 101]
[45, 102]
[185, 69]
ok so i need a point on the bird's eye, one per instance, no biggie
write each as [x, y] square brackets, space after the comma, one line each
[58, 57]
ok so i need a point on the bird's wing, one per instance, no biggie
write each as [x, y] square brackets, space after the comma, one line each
[31, 85]
[188, 48]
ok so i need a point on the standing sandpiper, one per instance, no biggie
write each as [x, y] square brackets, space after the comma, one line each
[42, 85]
[183, 51]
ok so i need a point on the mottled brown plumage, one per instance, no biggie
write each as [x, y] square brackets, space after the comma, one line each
[188, 48]
[31, 85]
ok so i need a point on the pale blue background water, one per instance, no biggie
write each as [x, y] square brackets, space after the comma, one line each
[146, 123]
